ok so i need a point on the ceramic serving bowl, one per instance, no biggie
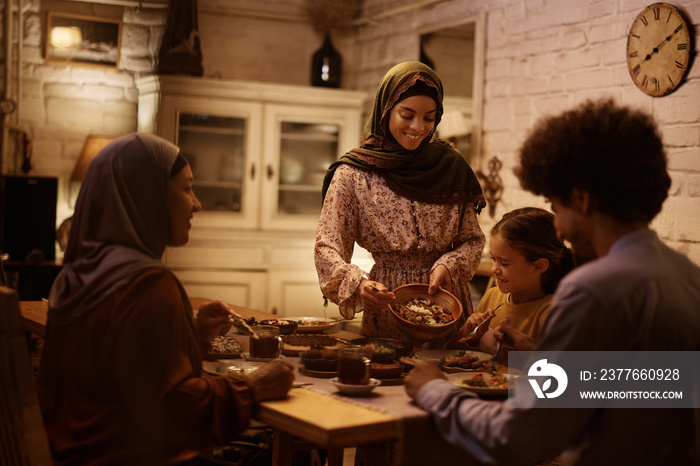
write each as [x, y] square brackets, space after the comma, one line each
[425, 332]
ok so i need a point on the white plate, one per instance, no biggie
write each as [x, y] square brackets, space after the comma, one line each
[355, 390]
[313, 324]
[436, 355]
[231, 366]
[248, 357]
[461, 379]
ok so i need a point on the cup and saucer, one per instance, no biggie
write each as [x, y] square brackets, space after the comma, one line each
[353, 389]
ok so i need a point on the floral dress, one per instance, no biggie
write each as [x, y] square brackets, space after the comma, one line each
[407, 239]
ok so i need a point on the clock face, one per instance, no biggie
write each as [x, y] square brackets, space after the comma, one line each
[659, 49]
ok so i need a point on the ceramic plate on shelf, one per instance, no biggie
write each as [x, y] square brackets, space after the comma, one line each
[312, 324]
[484, 383]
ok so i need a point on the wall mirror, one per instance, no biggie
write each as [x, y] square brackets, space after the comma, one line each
[455, 50]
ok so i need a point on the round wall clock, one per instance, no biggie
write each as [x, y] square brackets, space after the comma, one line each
[659, 49]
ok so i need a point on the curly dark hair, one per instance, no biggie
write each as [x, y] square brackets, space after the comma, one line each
[531, 232]
[614, 153]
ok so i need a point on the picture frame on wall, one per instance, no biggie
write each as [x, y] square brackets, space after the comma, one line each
[83, 40]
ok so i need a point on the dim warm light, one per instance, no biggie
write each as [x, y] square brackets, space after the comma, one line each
[66, 37]
[93, 145]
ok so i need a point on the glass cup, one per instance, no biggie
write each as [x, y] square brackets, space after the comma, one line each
[268, 345]
[353, 365]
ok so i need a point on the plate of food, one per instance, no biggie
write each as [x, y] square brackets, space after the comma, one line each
[457, 360]
[319, 362]
[485, 383]
[313, 324]
[225, 347]
[294, 345]
[231, 366]
[402, 348]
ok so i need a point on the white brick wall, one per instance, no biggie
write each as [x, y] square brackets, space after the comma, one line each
[542, 57]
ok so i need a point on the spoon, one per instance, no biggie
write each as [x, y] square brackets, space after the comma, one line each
[473, 333]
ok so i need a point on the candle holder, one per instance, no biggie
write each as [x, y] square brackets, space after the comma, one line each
[492, 184]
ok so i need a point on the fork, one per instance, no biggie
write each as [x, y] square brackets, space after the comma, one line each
[500, 342]
[473, 333]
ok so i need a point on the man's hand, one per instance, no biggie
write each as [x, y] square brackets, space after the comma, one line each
[422, 373]
[514, 338]
[273, 380]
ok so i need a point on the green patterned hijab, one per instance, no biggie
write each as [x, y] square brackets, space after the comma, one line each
[435, 172]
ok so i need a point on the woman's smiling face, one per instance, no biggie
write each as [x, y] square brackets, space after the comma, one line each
[412, 120]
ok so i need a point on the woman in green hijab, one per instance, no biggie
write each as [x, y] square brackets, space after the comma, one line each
[410, 201]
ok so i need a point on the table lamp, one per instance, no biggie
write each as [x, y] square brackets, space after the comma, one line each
[92, 146]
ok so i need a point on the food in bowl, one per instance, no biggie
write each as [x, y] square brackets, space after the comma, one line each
[489, 381]
[401, 347]
[425, 331]
[287, 327]
[385, 371]
[319, 358]
[382, 354]
[464, 360]
[295, 344]
[225, 346]
[423, 311]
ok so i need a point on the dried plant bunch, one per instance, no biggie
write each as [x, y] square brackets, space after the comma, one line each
[326, 15]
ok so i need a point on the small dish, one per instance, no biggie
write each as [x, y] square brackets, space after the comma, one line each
[286, 326]
[229, 366]
[484, 383]
[385, 371]
[437, 355]
[313, 324]
[248, 357]
[402, 348]
[320, 365]
[355, 390]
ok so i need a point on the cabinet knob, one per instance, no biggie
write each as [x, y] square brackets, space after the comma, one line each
[270, 172]
[252, 172]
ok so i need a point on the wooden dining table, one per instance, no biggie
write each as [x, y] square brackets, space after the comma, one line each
[316, 416]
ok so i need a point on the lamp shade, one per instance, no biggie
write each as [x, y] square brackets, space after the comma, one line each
[93, 145]
[453, 125]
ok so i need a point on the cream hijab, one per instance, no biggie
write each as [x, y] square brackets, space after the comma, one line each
[120, 226]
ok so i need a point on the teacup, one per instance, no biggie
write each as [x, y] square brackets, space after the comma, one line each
[268, 345]
[353, 365]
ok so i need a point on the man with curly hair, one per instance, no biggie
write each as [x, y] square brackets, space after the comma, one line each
[603, 169]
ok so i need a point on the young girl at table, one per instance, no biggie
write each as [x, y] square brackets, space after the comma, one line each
[120, 380]
[529, 259]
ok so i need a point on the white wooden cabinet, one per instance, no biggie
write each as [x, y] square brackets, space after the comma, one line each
[258, 153]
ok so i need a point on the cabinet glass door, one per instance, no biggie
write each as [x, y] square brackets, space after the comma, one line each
[215, 147]
[302, 143]
[306, 152]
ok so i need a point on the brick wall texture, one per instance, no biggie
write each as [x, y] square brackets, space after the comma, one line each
[541, 57]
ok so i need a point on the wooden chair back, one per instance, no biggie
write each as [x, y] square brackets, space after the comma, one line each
[23, 440]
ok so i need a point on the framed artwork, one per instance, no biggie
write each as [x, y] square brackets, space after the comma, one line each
[83, 40]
